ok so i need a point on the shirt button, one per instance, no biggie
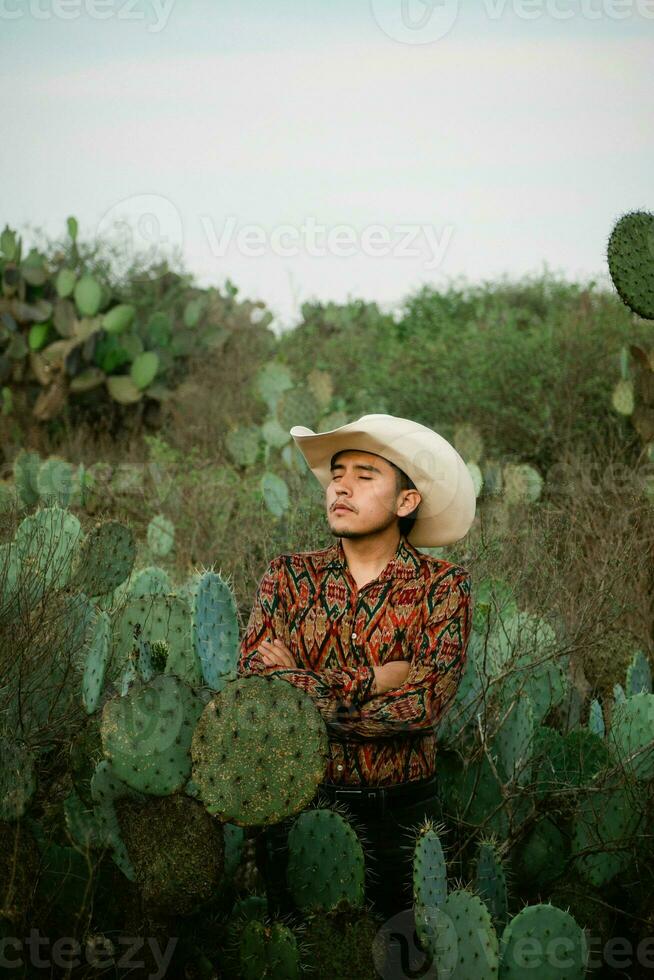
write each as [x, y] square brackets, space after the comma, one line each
[354, 636]
[339, 768]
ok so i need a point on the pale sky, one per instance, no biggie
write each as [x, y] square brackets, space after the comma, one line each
[369, 147]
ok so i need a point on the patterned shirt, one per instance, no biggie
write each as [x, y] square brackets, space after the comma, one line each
[418, 609]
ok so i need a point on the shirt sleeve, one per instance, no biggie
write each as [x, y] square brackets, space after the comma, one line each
[330, 688]
[267, 620]
[436, 668]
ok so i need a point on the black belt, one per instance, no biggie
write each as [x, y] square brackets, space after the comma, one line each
[378, 796]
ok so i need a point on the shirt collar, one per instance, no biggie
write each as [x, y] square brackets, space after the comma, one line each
[404, 564]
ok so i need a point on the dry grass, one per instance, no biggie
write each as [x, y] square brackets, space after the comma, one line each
[582, 559]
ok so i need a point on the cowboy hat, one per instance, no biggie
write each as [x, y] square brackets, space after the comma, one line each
[448, 503]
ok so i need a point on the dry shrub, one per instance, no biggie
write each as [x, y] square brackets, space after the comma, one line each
[217, 393]
[581, 558]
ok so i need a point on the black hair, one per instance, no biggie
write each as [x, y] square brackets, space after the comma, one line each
[402, 482]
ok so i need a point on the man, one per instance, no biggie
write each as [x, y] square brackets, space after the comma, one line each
[374, 631]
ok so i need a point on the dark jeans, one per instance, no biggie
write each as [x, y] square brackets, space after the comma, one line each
[387, 834]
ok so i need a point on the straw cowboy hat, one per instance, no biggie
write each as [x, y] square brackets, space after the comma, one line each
[448, 503]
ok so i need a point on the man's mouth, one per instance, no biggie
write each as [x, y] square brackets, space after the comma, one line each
[342, 507]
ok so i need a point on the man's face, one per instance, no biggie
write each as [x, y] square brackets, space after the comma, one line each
[364, 483]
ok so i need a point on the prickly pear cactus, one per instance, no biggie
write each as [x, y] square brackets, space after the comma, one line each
[531, 945]
[259, 751]
[25, 469]
[106, 789]
[146, 735]
[269, 951]
[541, 855]
[461, 939]
[96, 663]
[17, 778]
[214, 626]
[326, 864]
[566, 761]
[148, 581]
[606, 823]
[490, 882]
[596, 719]
[176, 849]
[105, 558]
[512, 741]
[45, 543]
[55, 481]
[429, 877]
[161, 535]
[470, 792]
[630, 256]
[639, 675]
[82, 823]
[631, 735]
[523, 648]
[159, 618]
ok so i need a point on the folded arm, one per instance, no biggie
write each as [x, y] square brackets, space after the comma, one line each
[332, 686]
[434, 675]
[344, 696]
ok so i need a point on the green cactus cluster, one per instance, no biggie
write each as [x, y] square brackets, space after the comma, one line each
[469, 932]
[180, 762]
[63, 329]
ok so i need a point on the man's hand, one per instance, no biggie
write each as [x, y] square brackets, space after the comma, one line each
[390, 676]
[275, 654]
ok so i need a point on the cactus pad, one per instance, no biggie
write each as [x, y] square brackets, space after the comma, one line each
[429, 877]
[215, 629]
[176, 849]
[105, 558]
[605, 824]
[146, 735]
[159, 618]
[259, 751]
[631, 735]
[639, 675]
[96, 663]
[268, 952]
[326, 864]
[630, 257]
[490, 883]
[461, 938]
[106, 788]
[538, 941]
[17, 779]
[45, 543]
[596, 719]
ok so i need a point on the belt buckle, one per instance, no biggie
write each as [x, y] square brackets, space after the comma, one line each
[365, 795]
[346, 791]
